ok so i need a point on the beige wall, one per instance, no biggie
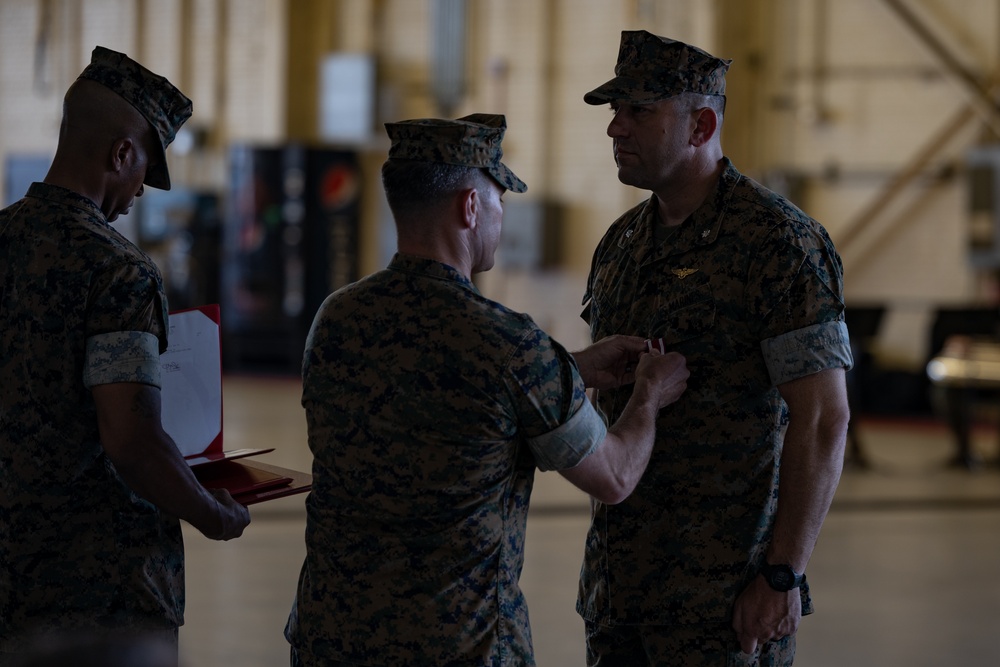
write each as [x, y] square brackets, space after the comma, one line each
[833, 96]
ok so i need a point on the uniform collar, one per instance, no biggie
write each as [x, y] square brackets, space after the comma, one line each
[430, 268]
[64, 197]
[701, 228]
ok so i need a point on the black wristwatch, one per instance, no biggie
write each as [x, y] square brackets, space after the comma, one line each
[781, 578]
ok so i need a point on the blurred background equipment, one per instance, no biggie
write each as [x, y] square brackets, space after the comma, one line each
[291, 238]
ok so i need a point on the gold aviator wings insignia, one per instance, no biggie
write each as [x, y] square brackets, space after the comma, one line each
[683, 273]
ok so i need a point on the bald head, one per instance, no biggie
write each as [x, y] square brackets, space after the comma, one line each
[105, 150]
[94, 115]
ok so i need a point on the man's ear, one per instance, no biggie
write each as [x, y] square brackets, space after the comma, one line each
[470, 207]
[122, 152]
[705, 124]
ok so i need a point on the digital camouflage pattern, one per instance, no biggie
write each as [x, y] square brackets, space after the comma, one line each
[428, 409]
[470, 141]
[652, 68]
[159, 102]
[749, 289]
[122, 356]
[78, 549]
[682, 645]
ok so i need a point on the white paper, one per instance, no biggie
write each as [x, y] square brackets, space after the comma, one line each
[191, 382]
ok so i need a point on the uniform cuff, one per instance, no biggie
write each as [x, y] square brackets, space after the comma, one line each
[571, 442]
[803, 352]
[122, 356]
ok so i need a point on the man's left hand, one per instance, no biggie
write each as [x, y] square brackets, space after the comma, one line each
[610, 362]
[763, 614]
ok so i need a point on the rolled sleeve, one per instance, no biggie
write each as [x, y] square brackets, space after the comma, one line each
[803, 352]
[571, 442]
[122, 356]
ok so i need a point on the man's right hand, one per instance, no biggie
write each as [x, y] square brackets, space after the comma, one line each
[128, 417]
[663, 376]
[233, 516]
[613, 469]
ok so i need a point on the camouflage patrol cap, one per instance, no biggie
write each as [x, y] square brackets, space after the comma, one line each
[159, 102]
[470, 141]
[652, 68]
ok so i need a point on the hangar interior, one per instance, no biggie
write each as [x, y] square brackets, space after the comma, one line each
[879, 118]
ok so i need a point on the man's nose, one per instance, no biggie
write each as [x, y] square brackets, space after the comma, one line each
[616, 127]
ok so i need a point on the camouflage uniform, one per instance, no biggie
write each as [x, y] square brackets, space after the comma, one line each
[428, 409]
[749, 291]
[80, 306]
[428, 406]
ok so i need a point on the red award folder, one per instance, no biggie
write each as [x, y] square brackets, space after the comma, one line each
[191, 398]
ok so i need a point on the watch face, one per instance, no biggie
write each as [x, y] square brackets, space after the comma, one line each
[780, 577]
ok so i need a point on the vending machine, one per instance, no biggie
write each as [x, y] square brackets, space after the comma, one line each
[290, 238]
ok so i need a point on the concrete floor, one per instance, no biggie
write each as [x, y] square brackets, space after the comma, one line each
[907, 570]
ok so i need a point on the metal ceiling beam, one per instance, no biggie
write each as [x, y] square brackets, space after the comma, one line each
[981, 98]
[906, 176]
[981, 103]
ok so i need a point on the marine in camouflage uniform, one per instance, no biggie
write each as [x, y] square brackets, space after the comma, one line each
[73, 537]
[80, 308]
[429, 407]
[749, 289]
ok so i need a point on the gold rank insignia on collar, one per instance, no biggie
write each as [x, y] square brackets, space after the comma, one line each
[683, 273]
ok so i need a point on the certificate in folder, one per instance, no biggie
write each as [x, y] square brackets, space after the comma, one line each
[191, 400]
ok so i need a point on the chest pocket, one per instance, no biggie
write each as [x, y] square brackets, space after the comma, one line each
[684, 309]
[611, 293]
